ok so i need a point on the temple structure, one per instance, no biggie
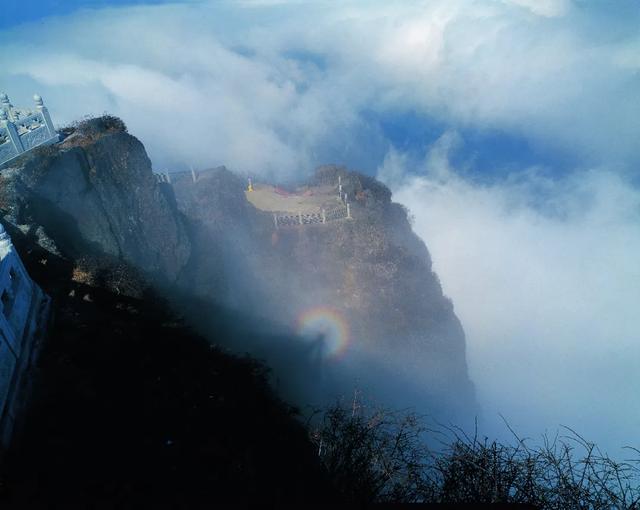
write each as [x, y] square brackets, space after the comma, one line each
[22, 129]
[24, 313]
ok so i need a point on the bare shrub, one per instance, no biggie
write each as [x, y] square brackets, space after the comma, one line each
[92, 128]
[378, 455]
[375, 456]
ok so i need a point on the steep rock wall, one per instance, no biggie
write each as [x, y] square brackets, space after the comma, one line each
[96, 193]
[373, 270]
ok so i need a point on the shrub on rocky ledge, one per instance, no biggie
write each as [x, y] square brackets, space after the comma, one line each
[94, 127]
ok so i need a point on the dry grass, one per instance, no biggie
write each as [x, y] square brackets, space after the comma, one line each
[307, 201]
[82, 275]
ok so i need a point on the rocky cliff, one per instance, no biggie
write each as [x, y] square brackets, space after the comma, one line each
[131, 409]
[371, 269]
[93, 200]
[95, 193]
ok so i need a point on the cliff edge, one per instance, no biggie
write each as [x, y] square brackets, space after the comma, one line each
[369, 269]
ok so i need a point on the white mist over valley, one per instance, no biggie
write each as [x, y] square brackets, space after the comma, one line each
[536, 246]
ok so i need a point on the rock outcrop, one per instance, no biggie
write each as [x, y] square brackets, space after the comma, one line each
[95, 193]
[372, 269]
[130, 408]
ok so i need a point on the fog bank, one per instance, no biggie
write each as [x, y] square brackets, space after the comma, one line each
[544, 275]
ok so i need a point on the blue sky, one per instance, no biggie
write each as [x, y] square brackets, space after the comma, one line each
[509, 128]
[494, 150]
[510, 112]
[16, 12]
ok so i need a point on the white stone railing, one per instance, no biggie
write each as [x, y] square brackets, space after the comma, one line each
[168, 178]
[322, 217]
[21, 130]
[24, 311]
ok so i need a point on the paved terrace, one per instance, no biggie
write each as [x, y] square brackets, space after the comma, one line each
[304, 200]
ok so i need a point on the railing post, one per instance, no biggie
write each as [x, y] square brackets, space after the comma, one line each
[6, 105]
[45, 114]
[193, 175]
[300, 217]
[11, 131]
[324, 216]
[348, 211]
[4, 101]
[275, 219]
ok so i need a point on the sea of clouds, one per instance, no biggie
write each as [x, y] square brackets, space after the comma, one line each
[542, 265]
[544, 275]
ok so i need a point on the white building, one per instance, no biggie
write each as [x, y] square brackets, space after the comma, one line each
[24, 311]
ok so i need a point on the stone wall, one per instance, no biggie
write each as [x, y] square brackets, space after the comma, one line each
[24, 311]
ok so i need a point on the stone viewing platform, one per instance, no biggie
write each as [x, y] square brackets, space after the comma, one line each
[22, 129]
[304, 200]
[303, 206]
[24, 312]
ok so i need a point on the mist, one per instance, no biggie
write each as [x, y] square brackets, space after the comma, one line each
[543, 274]
[539, 255]
[286, 296]
[261, 88]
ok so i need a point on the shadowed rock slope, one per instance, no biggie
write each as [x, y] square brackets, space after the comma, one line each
[372, 269]
[91, 207]
[130, 408]
[95, 193]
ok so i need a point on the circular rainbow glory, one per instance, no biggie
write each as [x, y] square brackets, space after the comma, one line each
[327, 324]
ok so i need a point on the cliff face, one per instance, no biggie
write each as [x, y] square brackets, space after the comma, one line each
[372, 270]
[95, 193]
[130, 408]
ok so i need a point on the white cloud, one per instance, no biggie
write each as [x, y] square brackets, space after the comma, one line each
[545, 279]
[548, 8]
[542, 272]
[228, 72]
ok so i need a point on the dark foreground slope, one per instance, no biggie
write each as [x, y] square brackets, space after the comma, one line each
[94, 195]
[132, 410]
[129, 403]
